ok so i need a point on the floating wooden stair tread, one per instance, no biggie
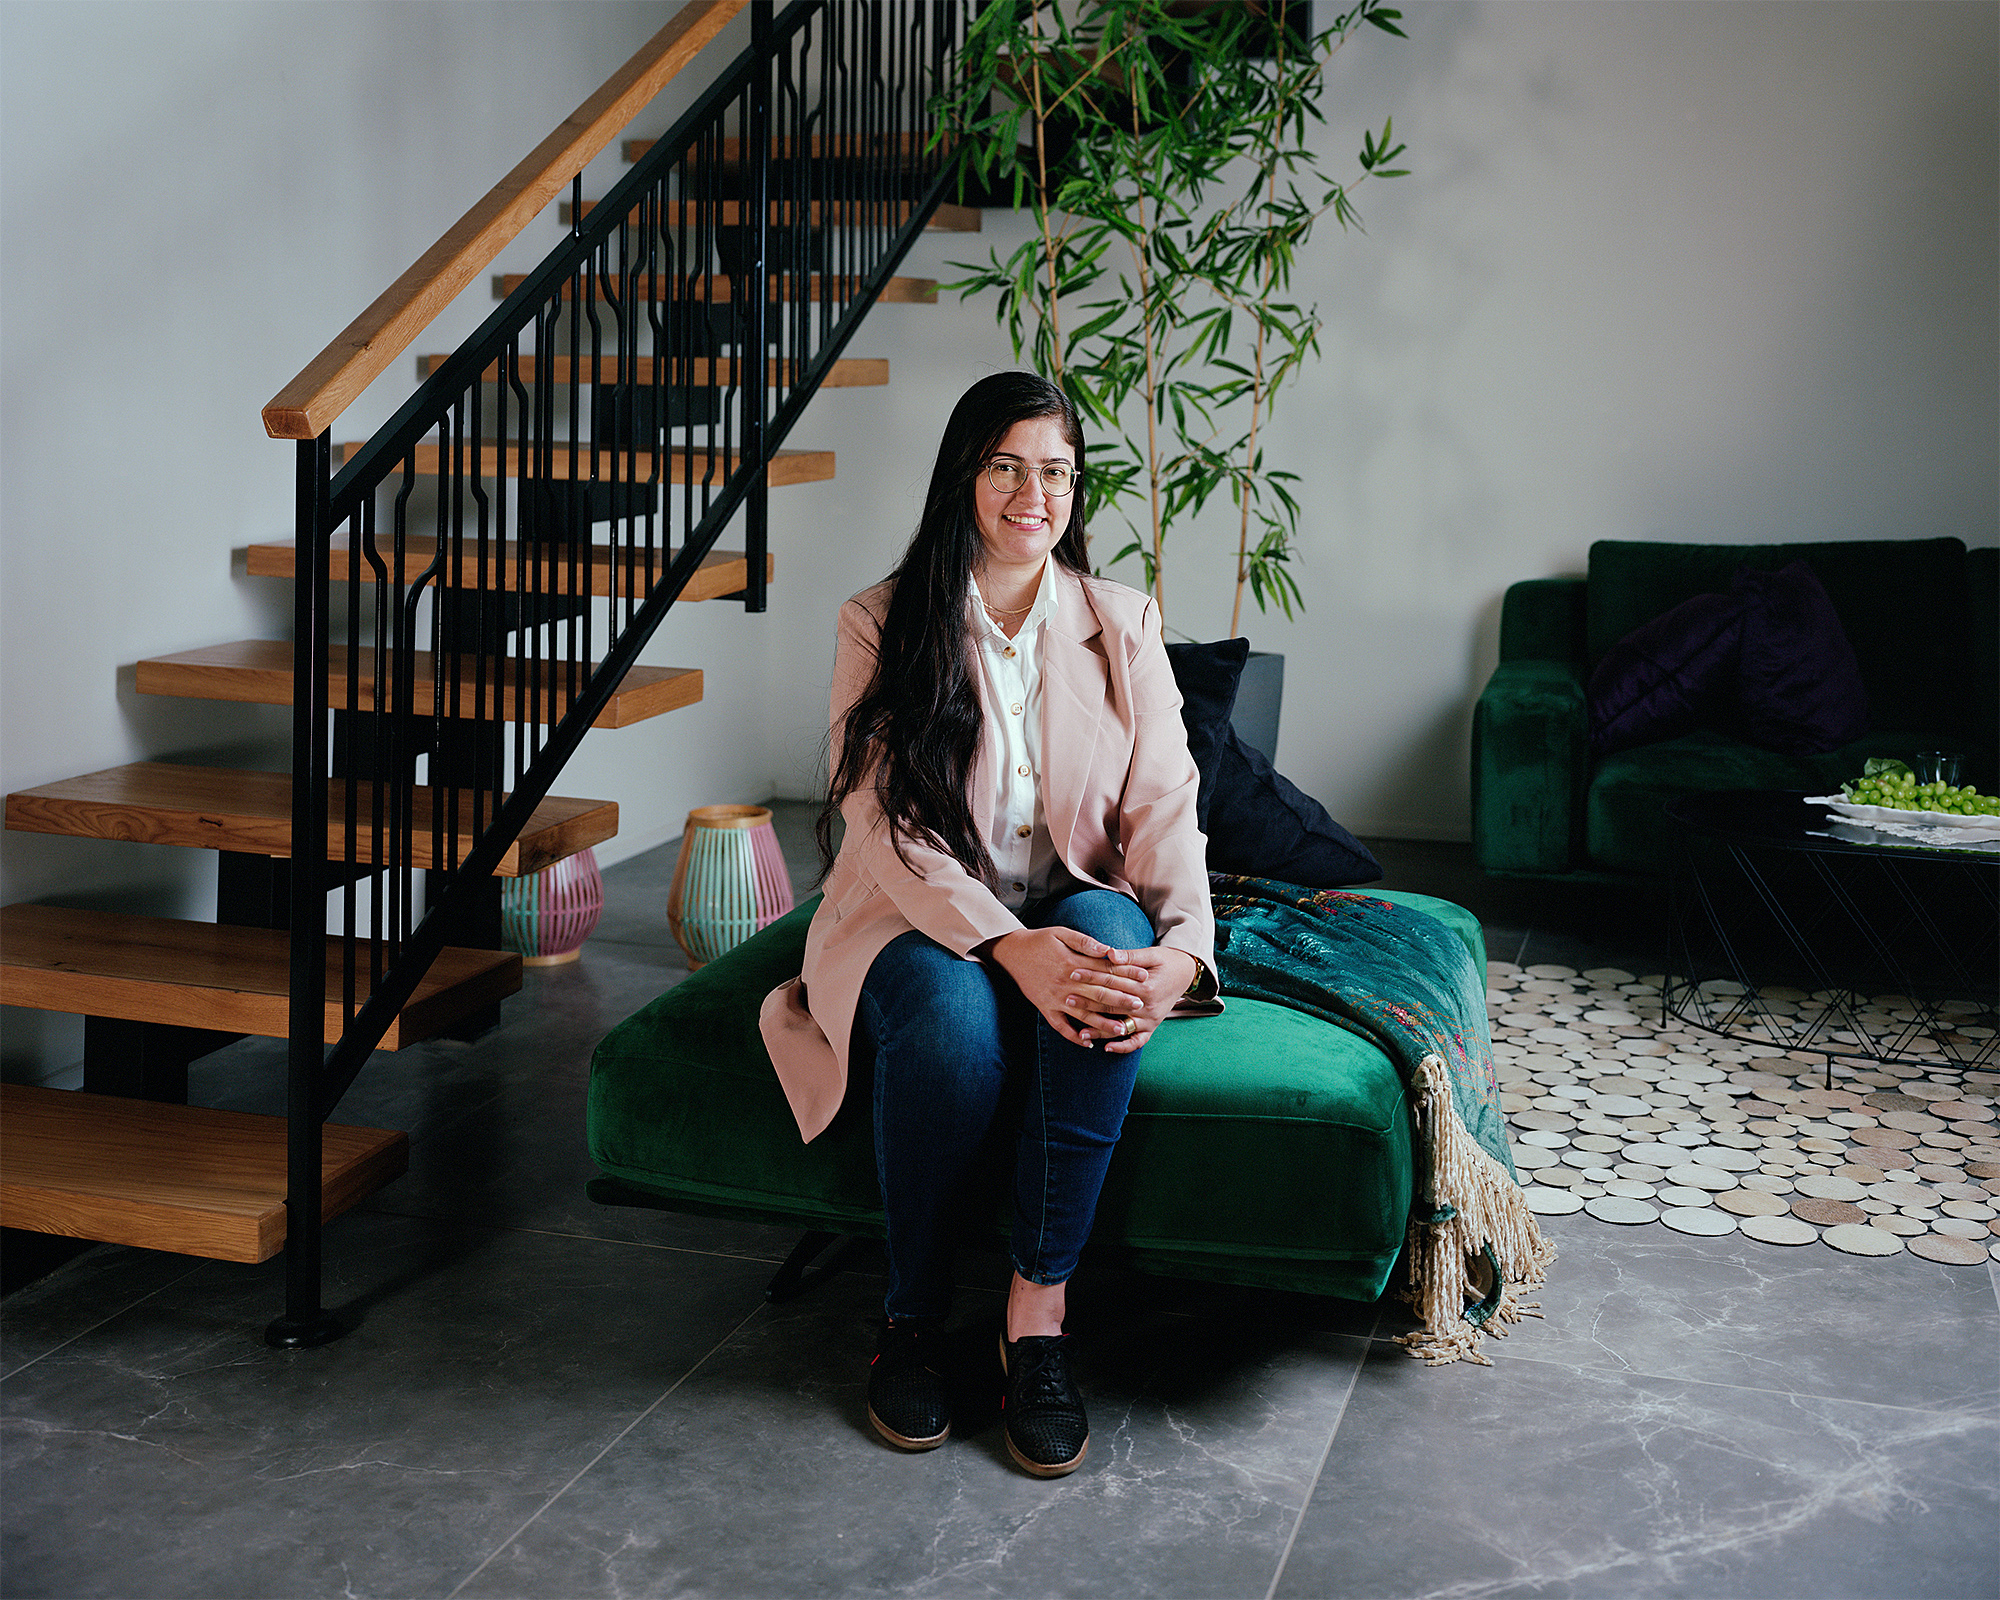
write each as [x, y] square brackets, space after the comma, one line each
[722, 572]
[701, 372]
[681, 463]
[259, 672]
[162, 1177]
[218, 808]
[838, 213]
[719, 288]
[212, 975]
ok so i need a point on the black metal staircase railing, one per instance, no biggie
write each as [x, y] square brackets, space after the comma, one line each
[637, 378]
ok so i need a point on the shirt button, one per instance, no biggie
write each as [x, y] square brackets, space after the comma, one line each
[1020, 888]
[1015, 708]
[1010, 652]
[1023, 831]
[1022, 769]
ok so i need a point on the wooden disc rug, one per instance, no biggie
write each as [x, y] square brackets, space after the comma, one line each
[1639, 1122]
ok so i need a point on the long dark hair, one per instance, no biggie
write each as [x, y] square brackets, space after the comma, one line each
[914, 733]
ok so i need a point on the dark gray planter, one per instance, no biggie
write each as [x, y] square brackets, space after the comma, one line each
[1259, 693]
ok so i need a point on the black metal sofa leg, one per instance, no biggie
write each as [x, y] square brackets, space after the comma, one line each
[798, 1274]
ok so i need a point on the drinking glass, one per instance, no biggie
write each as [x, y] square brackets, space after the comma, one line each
[1937, 766]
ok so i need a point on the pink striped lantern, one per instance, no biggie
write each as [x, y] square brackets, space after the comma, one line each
[545, 919]
[730, 880]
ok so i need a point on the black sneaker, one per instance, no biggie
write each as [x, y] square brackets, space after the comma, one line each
[908, 1400]
[1047, 1432]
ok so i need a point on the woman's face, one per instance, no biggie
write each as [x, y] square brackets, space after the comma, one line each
[1019, 529]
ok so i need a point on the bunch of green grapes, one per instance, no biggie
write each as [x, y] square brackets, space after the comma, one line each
[1890, 783]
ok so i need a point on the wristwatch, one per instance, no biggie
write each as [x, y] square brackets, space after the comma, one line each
[1202, 985]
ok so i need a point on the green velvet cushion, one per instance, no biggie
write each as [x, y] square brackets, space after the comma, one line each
[1263, 1146]
[1530, 753]
[1902, 604]
[1625, 818]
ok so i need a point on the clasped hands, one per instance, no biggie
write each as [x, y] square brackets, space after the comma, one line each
[1090, 993]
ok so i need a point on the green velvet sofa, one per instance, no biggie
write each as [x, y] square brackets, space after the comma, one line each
[1263, 1146]
[1920, 614]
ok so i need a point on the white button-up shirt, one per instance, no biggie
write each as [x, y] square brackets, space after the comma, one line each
[1010, 693]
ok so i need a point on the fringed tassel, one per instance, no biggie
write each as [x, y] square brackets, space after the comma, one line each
[1484, 1222]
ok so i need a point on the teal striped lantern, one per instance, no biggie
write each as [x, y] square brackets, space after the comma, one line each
[544, 919]
[730, 880]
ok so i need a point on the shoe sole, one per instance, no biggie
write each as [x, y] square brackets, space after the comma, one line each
[1038, 1469]
[903, 1443]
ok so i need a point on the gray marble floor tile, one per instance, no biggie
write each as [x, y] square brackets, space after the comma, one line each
[78, 1296]
[1536, 1479]
[759, 1476]
[168, 1452]
[1808, 1320]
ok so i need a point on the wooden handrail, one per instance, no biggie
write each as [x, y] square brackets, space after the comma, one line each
[330, 382]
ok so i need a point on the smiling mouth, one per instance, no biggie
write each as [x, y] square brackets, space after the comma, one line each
[1026, 522]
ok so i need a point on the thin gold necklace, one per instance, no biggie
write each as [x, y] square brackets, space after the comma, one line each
[998, 612]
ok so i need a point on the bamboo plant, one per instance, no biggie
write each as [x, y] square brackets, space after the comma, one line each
[1160, 147]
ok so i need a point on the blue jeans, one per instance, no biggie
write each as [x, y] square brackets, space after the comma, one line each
[955, 1046]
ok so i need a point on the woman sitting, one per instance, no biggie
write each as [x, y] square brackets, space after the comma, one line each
[1020, 897]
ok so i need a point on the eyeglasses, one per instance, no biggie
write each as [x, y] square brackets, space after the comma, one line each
[1011, 477]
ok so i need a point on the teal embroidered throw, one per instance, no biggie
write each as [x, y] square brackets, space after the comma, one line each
[1406, 983]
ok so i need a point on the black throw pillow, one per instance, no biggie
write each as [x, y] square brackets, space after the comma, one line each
[1666, 676]
[1264, 826]
[1258, 823]
[1208, 675]
[1799, 689]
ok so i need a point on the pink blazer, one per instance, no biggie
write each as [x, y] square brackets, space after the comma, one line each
[1118, 790]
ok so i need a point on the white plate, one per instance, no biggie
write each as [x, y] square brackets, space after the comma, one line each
[1943, 819]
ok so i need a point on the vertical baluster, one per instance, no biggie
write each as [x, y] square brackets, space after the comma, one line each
[673, 357]
[646, 246]
[595, 284]
[698, 345]
[756, 514]
[304, 1321]
[839, 127]
[368, 662]
[505, 531]
[487, 629]
[789, 196]
[604, 287]
[688, 262]
[444, 651]
[616, 287]
[802, 213]
[674, 347]
[837, 247]
[395, 708]
[527, 415]
[345, 859]
[502, 516]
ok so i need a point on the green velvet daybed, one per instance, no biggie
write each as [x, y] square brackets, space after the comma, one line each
[1263, 1146]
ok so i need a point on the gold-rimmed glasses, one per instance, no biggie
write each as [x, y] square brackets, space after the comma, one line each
[1011, 477]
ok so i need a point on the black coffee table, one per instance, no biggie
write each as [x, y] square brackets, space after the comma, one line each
[1793, 929]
